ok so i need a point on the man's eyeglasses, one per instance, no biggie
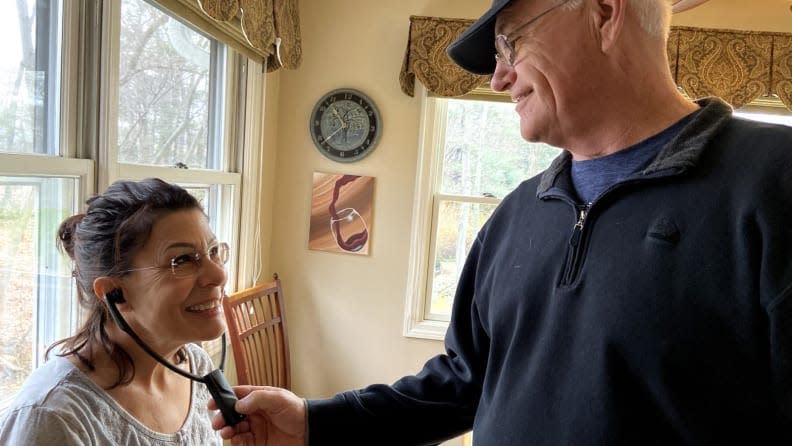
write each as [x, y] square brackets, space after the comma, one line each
[188, 264]
[504, 45]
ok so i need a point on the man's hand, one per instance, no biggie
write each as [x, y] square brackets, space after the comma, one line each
[275, 417]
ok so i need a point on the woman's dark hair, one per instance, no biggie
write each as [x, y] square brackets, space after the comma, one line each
[103, 242]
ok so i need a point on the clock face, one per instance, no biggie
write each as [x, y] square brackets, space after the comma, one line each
[345, 125]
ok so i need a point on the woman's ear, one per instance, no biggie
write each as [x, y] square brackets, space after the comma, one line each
[105, 287]
[610, 15]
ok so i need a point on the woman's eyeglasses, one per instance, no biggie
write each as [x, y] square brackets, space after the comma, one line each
[188, 264]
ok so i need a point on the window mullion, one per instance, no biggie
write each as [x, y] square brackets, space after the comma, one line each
[468, 198]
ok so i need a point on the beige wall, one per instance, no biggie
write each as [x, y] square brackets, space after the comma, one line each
[345, 311]
[760, 15]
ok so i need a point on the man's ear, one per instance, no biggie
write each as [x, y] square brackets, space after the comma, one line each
[104, 285]
[610, 16]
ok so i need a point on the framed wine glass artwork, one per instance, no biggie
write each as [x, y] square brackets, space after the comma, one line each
[341, 213]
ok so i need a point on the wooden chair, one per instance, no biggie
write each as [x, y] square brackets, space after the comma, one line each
[257, 331]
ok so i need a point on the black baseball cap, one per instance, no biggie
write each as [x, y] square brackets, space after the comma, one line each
[474, 49]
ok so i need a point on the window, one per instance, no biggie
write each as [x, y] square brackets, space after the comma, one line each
[30, 78]
[35, 281]
[171, 95]
[157, 98]
[471, 156]
[766, 110]
[170, 91]
[37, 191]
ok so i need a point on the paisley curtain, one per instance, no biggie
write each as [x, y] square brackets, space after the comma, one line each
[738, 66]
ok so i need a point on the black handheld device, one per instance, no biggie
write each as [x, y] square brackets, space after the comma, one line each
[215, 381]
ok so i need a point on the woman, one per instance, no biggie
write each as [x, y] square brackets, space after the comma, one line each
[147, 244]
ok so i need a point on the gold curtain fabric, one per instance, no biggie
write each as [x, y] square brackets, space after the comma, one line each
[286, 18]
[738, 66]
[263, 30]
[426, 58]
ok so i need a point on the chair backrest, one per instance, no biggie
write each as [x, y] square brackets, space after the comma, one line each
[257, 330]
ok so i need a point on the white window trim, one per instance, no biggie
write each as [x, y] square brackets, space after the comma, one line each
[431, 136]
[249, 260]
[15, 164]
[417, 323]
[426, 207]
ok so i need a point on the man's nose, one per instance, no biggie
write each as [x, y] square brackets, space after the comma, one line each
[503, 77]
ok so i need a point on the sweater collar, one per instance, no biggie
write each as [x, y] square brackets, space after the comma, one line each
[680, 154]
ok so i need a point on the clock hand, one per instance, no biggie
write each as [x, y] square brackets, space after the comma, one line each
[335, 112]
[333, 134]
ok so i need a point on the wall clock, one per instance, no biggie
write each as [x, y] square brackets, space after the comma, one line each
[345, 125]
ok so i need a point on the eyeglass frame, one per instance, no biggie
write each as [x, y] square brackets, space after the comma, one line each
[195, 257]
[502, 43]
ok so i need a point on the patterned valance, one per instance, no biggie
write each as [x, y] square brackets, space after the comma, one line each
[263, 30]
[738, 66]
[426, 58]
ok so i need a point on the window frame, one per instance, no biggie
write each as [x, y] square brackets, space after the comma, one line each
[428, 175]
[417, 322]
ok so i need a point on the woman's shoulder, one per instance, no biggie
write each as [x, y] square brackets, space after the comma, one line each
[57, 379]
[51, 398]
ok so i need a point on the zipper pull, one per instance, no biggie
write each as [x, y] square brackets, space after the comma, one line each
[578, 228]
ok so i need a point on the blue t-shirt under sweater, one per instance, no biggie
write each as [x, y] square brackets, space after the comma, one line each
[592, 177]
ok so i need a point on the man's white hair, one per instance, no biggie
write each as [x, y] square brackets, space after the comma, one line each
[653, 15]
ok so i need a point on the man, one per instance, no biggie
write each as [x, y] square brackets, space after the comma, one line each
[637, 292]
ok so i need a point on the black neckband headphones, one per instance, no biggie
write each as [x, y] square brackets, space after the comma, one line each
[215, 381]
